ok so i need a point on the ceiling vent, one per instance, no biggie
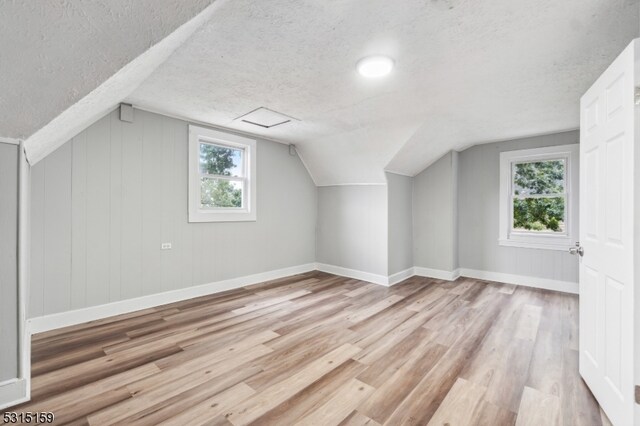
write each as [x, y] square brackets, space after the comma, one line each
[265, 118]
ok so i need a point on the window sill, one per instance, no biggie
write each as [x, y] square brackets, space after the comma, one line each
[563, 245]
[199, 217]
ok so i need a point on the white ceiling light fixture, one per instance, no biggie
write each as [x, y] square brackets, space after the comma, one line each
[375, 66]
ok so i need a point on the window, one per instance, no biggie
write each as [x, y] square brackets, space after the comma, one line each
[222, 173]
[538, 197]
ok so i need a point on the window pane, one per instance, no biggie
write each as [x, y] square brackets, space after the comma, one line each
[539, 214]
[220, 193]
[539, 178]
[221, 160]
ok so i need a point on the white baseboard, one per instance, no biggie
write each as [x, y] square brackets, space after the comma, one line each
[79, 316]
[19, 391]
[439, 274]
[523, 280]
[13, 392]
[353, 273]
[386, 281]
[401, 276]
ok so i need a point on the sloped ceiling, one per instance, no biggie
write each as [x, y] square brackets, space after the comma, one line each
[467, 71]
[54, 53]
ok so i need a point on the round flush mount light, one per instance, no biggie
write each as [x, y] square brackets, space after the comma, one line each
[374, 66]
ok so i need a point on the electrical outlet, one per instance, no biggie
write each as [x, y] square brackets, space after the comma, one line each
[165, 246]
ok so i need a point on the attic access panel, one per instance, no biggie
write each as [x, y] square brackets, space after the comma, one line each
[265, 118]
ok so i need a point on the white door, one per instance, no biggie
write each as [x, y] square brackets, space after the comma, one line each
[607, 137]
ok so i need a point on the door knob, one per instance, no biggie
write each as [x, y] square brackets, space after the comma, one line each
[577, 249]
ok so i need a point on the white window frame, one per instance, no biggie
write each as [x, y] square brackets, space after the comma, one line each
[539, 240]
[199, 135]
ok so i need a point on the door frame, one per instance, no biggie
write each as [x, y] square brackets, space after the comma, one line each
[18, 390]
[636, 240]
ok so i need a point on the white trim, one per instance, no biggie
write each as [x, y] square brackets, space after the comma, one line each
[398, 173]
[400, 276]
[517, 138]
[248, 211]
[439, 274]
[11, 141]
[24, 267]
[18, 390]
[506, 236]
[353, 184]
[14, 392]
[304, 163]
[353, 273]
[111, 92]
[205, 124]
[226, 129]
[535, 245]
[79, 316]
[523, 280]
[500, 277]
[457, 151]
[8, 382]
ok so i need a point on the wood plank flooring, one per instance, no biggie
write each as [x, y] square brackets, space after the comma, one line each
[317, 349]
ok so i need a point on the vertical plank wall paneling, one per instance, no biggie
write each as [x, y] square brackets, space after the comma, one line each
[455, 215]
[353, 227]
[131, 246]
[103, 203]
[97, 226]
[152, 191]
[78, 221]
[8, 261]
[478, 221]
[115, 210]
[400, 217]
[57, 228]
[435, 215]
[36, 273]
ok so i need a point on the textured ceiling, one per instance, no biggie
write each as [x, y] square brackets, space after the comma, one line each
[55, 52]
[468, 71]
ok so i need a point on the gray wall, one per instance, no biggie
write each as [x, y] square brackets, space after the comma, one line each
[103, 203]
[478, 200]
[400, 200]
[434, 215]
[8, 262]
[352, 227]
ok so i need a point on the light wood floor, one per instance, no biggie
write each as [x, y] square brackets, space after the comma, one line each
[318, 349]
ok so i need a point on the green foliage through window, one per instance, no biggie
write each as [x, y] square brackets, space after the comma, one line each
[539, 199]
[222, 161]
[539, 214]
[218, 193]
[539, 178]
